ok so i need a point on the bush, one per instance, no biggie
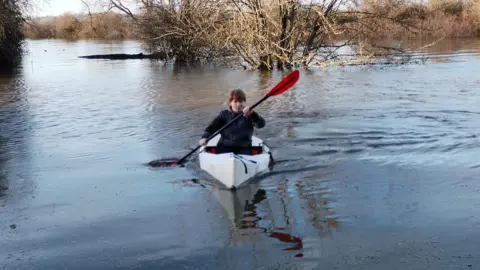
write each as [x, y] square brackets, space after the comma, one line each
[11, 33]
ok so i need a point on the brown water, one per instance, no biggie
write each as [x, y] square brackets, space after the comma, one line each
[377, 167]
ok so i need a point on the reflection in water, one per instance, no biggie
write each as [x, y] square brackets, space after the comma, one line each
[241, 206]
[12, 125]
[15, 136]
[6, 98]
[288, 238]
[265, 81]
[451, 46]
[316, 202]
[3, 167]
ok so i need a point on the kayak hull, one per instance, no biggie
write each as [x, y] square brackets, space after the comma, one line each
[234, 170]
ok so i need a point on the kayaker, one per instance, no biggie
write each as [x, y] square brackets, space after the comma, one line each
[236, 138]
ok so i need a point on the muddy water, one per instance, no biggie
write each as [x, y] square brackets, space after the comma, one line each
[376, 168]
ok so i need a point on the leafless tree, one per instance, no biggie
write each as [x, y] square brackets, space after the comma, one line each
[267, 33]
[185, 30]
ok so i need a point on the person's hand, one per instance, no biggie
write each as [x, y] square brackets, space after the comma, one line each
[203, 141]
[246, 111]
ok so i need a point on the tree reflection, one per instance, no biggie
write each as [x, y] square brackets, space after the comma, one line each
[14, 129]
[7, 97]
[3, 166]
[3, 171]
[316, 202]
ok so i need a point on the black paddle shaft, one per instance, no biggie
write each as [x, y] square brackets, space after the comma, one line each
[224, 127]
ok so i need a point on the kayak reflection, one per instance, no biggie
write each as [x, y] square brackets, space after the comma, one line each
[241, 207]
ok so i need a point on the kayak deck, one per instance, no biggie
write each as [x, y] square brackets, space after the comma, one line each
[233, 170]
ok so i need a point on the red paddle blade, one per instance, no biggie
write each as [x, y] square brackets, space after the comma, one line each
[284, 84]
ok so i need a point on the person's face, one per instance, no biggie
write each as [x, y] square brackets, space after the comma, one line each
[237, 105]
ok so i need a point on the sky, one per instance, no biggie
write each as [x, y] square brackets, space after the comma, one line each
[57, 7]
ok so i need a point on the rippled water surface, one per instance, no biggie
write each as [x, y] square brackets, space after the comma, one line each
[377, 168]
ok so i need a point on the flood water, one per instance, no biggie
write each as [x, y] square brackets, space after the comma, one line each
[377, 168]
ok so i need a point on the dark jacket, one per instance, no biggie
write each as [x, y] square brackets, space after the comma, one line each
[239, 133]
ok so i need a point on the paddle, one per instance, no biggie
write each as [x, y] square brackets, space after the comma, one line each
[281, 87]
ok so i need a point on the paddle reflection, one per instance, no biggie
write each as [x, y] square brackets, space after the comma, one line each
[288, 238]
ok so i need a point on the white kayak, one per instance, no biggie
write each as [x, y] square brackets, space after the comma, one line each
[234, 170]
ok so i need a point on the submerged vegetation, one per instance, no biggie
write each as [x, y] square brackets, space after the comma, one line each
[266, 34]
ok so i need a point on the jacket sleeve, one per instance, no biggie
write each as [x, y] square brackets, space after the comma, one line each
[257, 120]
[215, 125]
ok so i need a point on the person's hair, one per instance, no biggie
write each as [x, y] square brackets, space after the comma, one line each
[237, 94]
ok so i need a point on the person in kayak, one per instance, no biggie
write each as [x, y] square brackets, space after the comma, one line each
[237, 137]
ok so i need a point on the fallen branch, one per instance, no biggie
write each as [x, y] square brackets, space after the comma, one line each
[122, 56]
